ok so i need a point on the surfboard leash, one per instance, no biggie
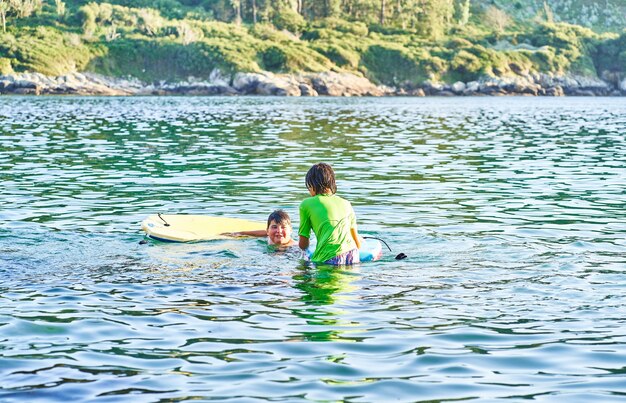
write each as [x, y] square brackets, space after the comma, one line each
[162, 219]
[399, 256]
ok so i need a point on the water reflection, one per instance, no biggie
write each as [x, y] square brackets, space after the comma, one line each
[323, 284]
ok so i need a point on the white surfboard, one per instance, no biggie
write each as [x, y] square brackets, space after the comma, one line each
[190, 228]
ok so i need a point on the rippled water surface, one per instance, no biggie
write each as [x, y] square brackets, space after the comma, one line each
[512, 212]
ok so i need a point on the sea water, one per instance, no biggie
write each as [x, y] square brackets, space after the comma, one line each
[512, 212]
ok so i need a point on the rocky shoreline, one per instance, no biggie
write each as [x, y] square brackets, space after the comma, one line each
[308, 84]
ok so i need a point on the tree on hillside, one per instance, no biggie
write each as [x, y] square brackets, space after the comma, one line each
[25, 8]
[463, 11]
[59, 6]
[18, 8]
[254, 11]
[237, 7]
[405, 13]
[315, 9]
[4, 9]
[549, 15]
[436, 17]
[497, 19]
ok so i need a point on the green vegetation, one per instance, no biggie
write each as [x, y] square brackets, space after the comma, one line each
[394, 42]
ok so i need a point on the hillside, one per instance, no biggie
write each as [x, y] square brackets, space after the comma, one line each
[601, 16]
[395, 43]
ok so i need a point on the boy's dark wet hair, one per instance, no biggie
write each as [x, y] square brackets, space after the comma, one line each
[279, 217]
[321, 178]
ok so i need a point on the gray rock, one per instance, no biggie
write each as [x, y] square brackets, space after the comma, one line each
[6, 86]
[401, 92]
[472, 87]
[489, 87]
[431, 87]
[583, 93]
[306, 90]
[418, 92]
[344, 84]
[246, 83]
[25, 83]
[8, 78]
[554, 91]
[218, 78]
[445, 93]
[80, 78]
[26, 91]
[458, 87]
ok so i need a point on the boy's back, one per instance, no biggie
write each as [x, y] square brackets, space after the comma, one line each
[330, 217]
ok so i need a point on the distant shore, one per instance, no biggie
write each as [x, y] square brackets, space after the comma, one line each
[306, 84]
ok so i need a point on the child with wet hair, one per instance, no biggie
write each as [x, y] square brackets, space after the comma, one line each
[278, 231]
[331, 219]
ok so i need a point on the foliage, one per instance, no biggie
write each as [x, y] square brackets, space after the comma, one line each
[403, 43]
[289, 20]
[274, 58]
[340, 54]
[5, 66]
[497, 19]
[393, 64]
[45, 50]
[563, 47]
[337, 24]
[609, 54]
[150, 59]
[294, 57]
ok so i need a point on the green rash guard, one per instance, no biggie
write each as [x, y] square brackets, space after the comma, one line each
[331, 218]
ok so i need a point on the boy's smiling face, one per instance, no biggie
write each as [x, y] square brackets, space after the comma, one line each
[279, 234]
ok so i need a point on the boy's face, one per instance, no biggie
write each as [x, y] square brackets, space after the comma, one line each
[279, 234]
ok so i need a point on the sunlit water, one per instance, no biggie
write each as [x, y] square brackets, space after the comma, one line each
[512, 212]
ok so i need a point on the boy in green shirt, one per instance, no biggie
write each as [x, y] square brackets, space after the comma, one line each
[331, 218]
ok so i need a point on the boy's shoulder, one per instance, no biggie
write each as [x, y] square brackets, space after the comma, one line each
[307, 201]
[322, 199]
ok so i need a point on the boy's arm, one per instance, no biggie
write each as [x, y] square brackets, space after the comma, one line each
[353, 230]
[303, 242]
[305, 228]
[355, 236]
[259, 233]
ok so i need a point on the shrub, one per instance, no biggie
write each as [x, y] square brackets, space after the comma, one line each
[93, 16]
[468, 64]
[87, 15]
[151, 59]
[339, 55]
[293, 57]
[317, 34]
[609, 54]
[545, 59]
[392, 64]
[5, 66]
[274, 59]
[458, 43]
[337, 24]
[289, 20]
[168, 8]
[45, 50]
[149, 21]
[268, 32]
[496, 19]
[217, 29]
